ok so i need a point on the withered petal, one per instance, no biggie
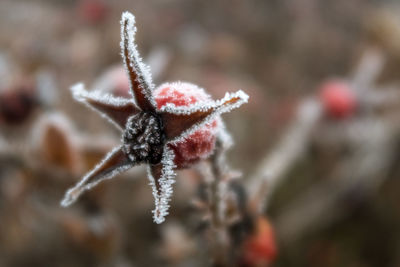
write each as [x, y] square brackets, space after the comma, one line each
[181, 121]
[113, 163]
[139, 76]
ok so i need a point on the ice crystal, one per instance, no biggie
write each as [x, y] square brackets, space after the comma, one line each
[157, 126]
[172, 93]
[163, 194]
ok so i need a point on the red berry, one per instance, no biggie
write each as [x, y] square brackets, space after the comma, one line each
[338, 99]
[199, 144]
[17, 104]
[260, 247]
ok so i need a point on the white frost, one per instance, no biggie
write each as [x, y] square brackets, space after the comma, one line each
[219, 107]
[187, 88]
[141, 69]
[80, 94]
[166, 181]
[224, 137]
[73, 194]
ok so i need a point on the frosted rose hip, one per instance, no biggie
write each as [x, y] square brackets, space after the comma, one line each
[200, 143]
[166, 128]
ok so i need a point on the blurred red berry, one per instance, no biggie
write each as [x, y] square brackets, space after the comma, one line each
[260, 247]
[92, 11]
[17, 103]
[199, 144]
[338, 99]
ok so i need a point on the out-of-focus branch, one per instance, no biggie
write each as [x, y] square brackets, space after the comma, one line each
[274, 166]
[217, 207]
[367, 71]
[356, 176]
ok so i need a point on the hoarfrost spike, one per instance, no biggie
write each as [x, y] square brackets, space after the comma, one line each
[139, 74]
[162, 177]
[113, 163]
[181, 121]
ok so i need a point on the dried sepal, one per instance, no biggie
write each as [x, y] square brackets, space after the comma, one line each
[141, 84]
[162, 177]
[181, 121]
[116, 109]
[113, 163]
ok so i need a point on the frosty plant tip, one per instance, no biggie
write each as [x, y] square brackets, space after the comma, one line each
[167, 128]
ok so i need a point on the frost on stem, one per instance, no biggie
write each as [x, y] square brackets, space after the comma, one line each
[113, 163]
[224, 138]
[162, 177]
[141, 83]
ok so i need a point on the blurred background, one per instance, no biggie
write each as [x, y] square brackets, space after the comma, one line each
[322, 127]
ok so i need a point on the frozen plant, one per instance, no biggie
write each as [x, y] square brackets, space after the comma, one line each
[167, 128]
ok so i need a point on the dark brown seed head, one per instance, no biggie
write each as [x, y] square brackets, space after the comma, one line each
[143, 139]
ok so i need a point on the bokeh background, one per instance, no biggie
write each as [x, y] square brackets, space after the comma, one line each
[337, 202]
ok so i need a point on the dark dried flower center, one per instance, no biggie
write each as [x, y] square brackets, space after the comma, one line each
[143, 139]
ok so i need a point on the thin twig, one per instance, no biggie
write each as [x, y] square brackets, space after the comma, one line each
[217, 207]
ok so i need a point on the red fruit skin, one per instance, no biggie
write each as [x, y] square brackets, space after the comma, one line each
[338, 99]
[201, 143]
[260, 247]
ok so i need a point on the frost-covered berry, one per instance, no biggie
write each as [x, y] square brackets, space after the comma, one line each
[166, 128]
[199, 144]
[260, 247]
[338, 99]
